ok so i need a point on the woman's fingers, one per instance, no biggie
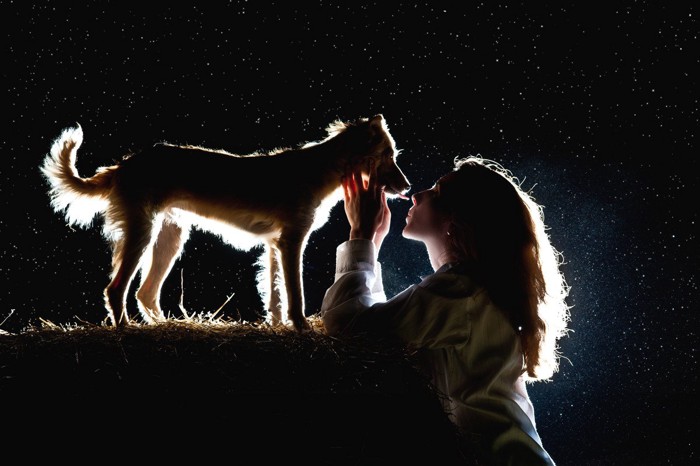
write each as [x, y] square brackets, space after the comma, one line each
[373, 186]
[385, 205]
[357, 180]
[353, 183]
[346, 188]
[350, 181]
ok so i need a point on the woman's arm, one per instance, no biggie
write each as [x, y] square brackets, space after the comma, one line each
[431, 314]
[358, 279]
[357, 287]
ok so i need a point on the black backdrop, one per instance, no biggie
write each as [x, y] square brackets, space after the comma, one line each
[594, 109]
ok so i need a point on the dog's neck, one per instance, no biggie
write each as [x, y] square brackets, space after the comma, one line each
[332, 162]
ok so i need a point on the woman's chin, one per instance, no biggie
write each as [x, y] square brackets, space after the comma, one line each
[408, 234]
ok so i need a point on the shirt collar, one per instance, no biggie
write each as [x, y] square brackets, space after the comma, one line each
[444, 268]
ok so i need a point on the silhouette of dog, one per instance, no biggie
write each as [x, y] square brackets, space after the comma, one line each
[151, 199]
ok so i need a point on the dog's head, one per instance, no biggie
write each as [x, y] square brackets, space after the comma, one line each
[368, 139]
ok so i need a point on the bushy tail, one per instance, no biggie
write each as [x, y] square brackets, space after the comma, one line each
[80, 198]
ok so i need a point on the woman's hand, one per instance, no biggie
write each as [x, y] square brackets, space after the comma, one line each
[383, 228]
[366, 207]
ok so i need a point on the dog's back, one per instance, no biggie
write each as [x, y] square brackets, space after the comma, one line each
[167, 174]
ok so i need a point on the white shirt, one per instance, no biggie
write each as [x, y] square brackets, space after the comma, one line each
[470, 349]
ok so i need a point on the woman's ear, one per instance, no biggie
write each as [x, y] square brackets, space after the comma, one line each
[445, 221]
[449, 227]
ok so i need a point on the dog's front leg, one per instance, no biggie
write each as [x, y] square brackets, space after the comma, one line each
[274, 304]
[291, 248]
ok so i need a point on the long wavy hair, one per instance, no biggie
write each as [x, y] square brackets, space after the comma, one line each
[497, 230]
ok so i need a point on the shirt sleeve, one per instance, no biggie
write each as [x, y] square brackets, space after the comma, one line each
[420, 315]
[357, 286]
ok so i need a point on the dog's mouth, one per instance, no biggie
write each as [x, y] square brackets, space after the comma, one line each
[390, 190]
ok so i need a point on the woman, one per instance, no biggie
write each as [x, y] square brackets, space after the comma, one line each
[489, 317]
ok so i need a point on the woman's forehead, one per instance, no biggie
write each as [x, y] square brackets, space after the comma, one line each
[442, 180]
[446, 178]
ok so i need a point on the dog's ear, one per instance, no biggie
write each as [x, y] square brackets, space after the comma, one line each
[377, 128]
[377, 121]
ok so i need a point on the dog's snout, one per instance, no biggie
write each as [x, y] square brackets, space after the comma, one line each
[404, 187]
[395, 181]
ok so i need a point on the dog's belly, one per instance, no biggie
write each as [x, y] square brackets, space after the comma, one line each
[241, 228]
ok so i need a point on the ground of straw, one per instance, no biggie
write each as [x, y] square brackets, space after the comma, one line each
[195, 386]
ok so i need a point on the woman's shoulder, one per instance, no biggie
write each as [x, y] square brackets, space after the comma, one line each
[455, 288]
[451, 281]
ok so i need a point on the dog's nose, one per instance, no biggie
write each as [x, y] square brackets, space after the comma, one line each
[401, 193]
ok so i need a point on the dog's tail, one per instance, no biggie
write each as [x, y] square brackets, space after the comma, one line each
[80, 198]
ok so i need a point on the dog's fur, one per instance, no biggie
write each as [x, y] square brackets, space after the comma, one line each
[151, 199]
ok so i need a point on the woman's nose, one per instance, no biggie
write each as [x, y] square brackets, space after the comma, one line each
[413, 198]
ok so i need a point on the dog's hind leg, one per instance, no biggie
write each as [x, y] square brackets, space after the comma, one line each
[291, 246]
[165, 251]
[126, 256]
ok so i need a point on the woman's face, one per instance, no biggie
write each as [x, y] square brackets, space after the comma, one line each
[423, 223]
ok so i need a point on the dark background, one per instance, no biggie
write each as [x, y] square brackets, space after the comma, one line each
[593, 108]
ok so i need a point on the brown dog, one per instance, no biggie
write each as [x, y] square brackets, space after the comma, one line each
[151, 199]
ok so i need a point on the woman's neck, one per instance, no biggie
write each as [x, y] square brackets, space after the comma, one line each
[438, 254]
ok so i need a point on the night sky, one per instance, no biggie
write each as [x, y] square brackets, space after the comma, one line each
[593, 109]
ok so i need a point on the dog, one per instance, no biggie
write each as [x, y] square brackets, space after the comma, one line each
[151, 199]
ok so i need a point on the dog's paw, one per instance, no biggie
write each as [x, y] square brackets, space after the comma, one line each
[302, 326]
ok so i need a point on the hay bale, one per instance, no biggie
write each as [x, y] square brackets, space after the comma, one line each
[256, 389]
